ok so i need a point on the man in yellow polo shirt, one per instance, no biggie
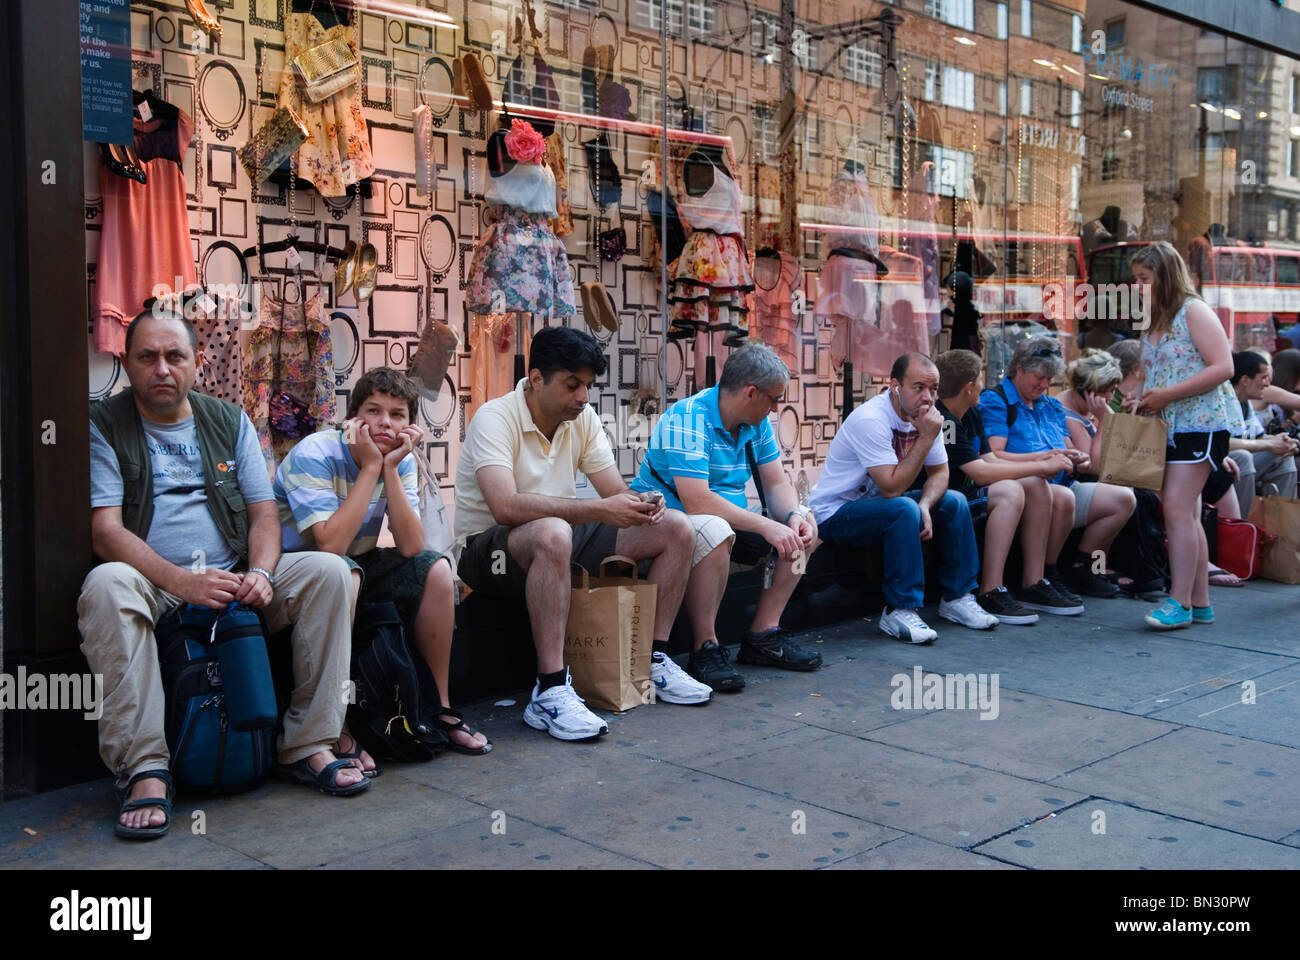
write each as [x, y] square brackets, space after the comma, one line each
[520, 524]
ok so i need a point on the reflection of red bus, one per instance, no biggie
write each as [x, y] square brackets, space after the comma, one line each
[1246, 286]
[1029, 262]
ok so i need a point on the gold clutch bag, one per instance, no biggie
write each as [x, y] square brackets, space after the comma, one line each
[327, 68]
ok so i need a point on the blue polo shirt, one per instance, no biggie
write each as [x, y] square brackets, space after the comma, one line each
[690, 441]
[1034, 430]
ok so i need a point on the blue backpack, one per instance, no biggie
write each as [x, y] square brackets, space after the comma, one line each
[208, 755]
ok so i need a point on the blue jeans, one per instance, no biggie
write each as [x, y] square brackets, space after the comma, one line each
[897, 520]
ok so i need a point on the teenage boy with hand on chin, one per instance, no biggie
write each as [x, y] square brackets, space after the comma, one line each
[334, 490]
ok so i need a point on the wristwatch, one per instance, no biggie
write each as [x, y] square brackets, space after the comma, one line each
[264, 572]
[801, 510]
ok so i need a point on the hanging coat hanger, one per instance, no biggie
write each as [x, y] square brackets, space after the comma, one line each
[302, 246]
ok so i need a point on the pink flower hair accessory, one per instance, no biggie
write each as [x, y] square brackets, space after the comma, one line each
[523, 143]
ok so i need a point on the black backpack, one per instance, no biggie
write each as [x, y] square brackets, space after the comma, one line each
[396, 704]
[207, 754]
[1139, 550]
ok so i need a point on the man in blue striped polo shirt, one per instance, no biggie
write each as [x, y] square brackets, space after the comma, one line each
[703, 453]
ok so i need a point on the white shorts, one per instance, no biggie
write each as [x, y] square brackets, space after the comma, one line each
[710, 533]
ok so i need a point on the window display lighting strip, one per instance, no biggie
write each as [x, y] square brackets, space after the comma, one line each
[961, 234]
[590, 120]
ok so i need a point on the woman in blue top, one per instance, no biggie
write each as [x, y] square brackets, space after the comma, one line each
[1188, 364]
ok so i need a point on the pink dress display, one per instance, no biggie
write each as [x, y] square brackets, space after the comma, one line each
[145, 239]
[771, 312]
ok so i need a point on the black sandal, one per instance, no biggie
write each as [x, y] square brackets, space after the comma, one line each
[447, 728]
[325, 780]
[373, 772]
[145, 833]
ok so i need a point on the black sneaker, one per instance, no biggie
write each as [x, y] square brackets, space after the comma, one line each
[1064, 593]
[1001, 604]
[1081, 578]
[775, 648]
[1046, 598]
[710, 665]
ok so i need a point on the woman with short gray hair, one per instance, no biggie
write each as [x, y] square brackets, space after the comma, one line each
[1040, 355]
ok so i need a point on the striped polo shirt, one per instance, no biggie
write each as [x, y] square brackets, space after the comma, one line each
[314, 480]
[690, 441]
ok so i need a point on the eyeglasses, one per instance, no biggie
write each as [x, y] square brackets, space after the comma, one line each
[779, 398]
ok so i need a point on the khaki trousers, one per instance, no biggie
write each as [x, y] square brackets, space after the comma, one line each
[116, 613]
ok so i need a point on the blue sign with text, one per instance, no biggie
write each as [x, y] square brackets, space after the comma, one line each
[106, 71]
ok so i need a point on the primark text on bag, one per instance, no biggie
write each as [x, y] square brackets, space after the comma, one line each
[609, 638]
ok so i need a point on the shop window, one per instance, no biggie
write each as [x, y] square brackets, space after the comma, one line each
[958, 88]
[959, 13]
[1288, 267]
[952, 169]
[931, 81]
[1216, 85]
[765, 42]
[1026, 18]
[862, 66]
[1002, 21]
[1115, 30]
[766, 132]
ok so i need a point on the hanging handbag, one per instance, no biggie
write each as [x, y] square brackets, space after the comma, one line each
[428, 365]
[274, 143]
[433, 512]
[612, 244]
[327, 68]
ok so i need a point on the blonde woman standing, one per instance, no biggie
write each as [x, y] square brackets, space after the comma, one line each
[1188, 363]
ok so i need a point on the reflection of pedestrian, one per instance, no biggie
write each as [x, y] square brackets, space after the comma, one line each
[965, 318]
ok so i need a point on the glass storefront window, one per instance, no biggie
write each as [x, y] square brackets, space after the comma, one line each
[868, 153]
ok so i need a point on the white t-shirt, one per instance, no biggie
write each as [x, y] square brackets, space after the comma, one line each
[872, 436]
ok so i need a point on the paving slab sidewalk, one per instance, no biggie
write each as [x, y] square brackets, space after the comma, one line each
[1112, 747]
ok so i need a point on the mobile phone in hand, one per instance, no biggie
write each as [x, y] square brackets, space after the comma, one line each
[1117, 400]
[652, 496]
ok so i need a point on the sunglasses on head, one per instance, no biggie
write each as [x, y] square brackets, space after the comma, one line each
[1047, 352]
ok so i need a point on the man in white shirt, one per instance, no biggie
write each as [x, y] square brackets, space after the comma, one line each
[1261, 458]
[865, 495]
[521, 526]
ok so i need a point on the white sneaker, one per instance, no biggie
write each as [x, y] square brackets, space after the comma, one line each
[560, 712]
[967, 611]
[672, 684]
[905, 625]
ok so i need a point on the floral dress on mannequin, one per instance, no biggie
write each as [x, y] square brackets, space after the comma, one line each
[709, 279]
[519, 265]
[337, 153]
[289, 372]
